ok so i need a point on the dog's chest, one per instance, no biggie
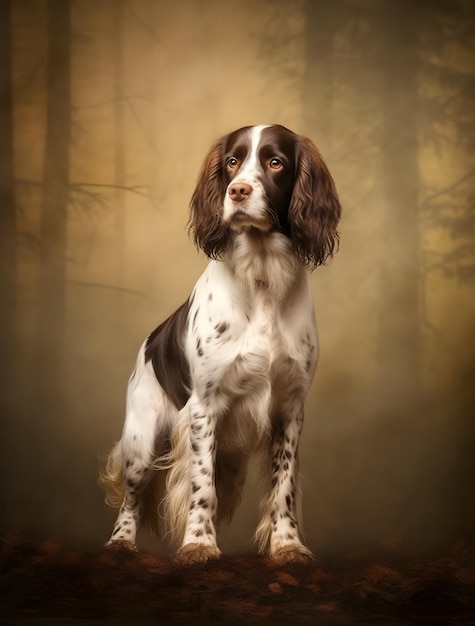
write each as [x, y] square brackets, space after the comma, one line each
[249, 358]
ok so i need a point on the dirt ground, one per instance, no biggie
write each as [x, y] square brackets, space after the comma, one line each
[44, 582]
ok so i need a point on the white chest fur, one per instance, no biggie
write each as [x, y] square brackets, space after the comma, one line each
[252, 344]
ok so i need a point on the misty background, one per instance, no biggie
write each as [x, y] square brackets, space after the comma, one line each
[107, 111]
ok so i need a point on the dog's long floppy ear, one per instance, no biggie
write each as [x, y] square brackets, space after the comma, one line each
[206, 207]
[315, 209]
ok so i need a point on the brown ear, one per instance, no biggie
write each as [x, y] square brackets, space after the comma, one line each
[315, 209]
[206, 206]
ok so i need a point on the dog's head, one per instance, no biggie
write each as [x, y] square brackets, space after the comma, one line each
[270, 179]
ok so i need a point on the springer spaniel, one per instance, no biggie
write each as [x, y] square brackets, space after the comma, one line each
[227, 374]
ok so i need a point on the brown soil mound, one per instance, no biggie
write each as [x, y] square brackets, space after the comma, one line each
[48, 583]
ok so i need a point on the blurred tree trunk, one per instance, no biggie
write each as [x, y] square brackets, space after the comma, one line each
[321, 20]
[56, 192]
[119, 302]
[7, 248]
[399, 342]
[119, 166]
[7, 199]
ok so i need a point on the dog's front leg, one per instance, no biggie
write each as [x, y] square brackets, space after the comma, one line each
[199, 541]
[280, 531]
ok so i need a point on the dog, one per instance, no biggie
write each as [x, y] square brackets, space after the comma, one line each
[226, 375]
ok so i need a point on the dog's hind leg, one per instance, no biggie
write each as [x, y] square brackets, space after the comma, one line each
[145, 437]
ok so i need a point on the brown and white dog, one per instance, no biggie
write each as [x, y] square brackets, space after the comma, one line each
[227, 374]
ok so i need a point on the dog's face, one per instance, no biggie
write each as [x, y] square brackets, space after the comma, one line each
[270, 179]
[259, 164]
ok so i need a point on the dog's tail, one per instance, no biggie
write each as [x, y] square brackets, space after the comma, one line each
[111, 480]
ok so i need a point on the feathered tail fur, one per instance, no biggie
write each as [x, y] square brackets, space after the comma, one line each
[111, 480]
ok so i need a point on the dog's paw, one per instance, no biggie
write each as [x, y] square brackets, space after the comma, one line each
[120, 544]
[292, 554]
[197, 553]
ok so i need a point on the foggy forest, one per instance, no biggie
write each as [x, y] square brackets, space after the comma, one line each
[107, 110]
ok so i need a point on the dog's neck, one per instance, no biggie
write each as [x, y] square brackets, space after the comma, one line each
[263, 261]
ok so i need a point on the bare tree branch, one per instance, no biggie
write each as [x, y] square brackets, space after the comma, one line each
[132, 292]
[151, 31]
[134, 189]
[448, 189]
[142, 126]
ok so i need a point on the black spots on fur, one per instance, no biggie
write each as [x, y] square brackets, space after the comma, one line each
[196, 427]
[208, 529]
[288, 454]
[198, 532]
[290, 517]
[198, 416]
[221, 328]
[193, 322]
[209, 387]
[195, 487]
[199, 349]
[307, 341]
[203, 503]
[288, 501]
[195, 447]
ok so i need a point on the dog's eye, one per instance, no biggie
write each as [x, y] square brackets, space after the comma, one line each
[275, 164]
[232, 163]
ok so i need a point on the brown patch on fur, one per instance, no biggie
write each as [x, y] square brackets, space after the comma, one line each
[165, 351]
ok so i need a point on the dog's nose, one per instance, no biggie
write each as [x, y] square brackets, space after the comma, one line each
[239, 191]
